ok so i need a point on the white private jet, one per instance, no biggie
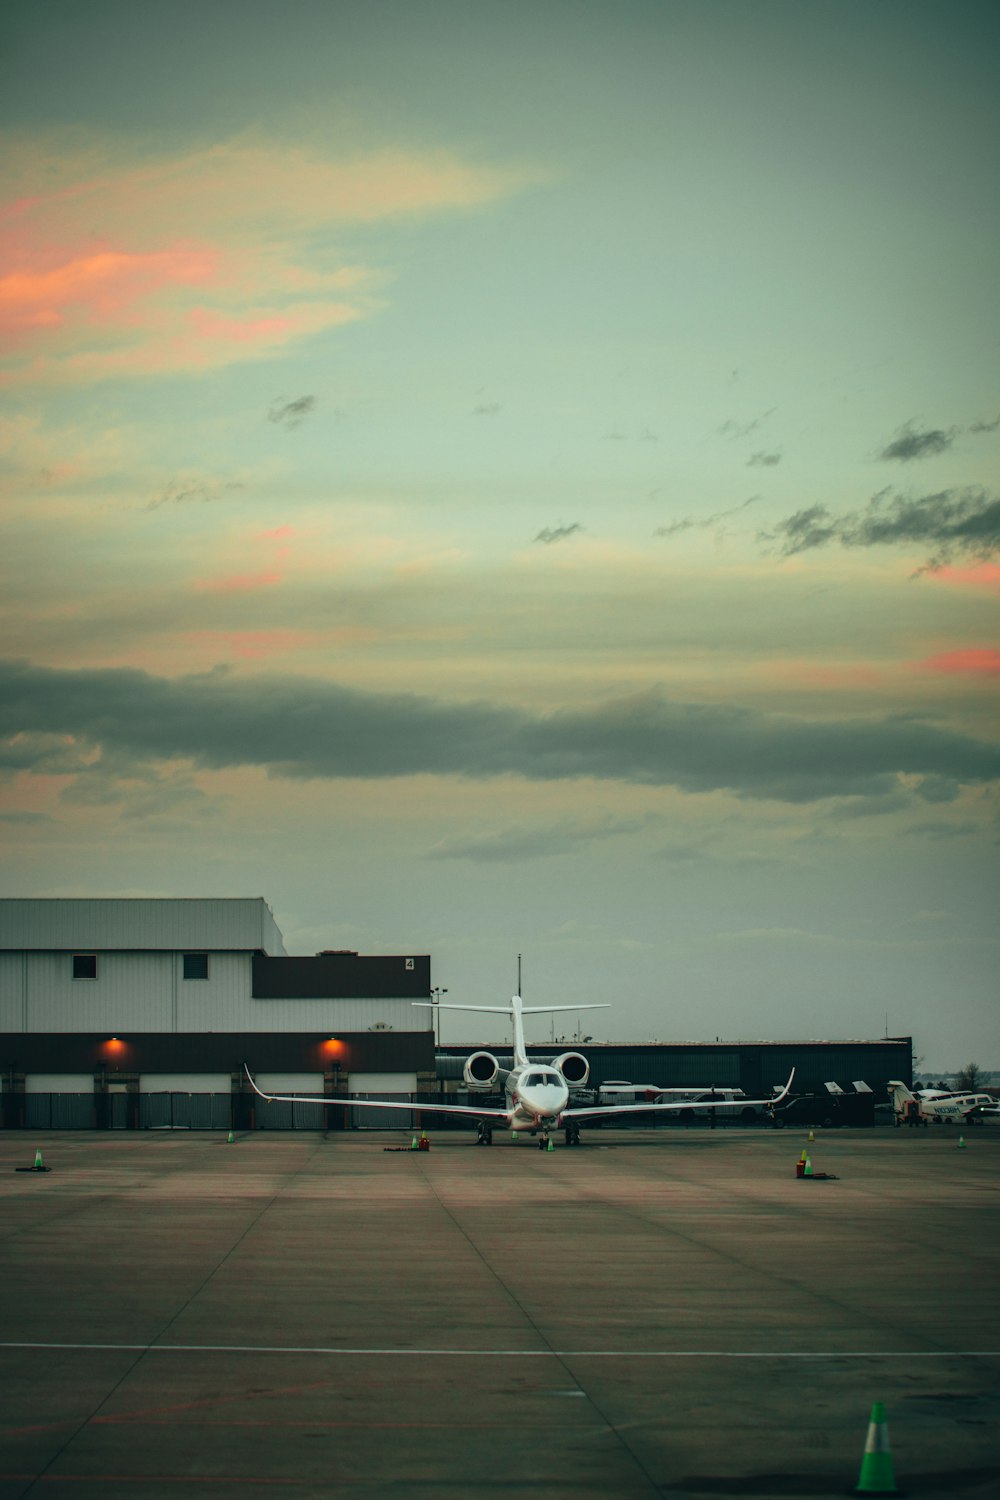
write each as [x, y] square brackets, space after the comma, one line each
[537, 1094]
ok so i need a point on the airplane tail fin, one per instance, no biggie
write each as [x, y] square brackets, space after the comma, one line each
[515, 1011]
[899, 1092]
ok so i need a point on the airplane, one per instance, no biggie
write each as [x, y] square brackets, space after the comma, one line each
[934, 1104]
[536, 1094]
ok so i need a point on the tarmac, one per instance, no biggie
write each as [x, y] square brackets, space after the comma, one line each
[656, 1313]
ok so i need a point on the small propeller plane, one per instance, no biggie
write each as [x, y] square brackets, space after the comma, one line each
[536, 1093]
[935, 1105]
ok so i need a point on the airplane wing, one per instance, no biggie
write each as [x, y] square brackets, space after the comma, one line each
[604, 1111]
[352, 1103]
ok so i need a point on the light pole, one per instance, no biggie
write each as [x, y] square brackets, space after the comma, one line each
[437, 992]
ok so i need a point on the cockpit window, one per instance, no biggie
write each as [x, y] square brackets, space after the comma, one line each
[533, 1080]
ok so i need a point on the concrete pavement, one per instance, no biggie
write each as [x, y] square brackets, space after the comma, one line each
[666, 1313]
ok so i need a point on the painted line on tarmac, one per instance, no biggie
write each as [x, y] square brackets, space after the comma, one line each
[480, 1353]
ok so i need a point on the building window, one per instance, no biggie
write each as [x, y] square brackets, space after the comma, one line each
[196, 966]
[84, 965]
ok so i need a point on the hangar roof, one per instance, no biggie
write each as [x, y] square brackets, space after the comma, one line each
[219, 924]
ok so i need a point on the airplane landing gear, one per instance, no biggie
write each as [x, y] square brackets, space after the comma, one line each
[484, 1134]
[572, 1135]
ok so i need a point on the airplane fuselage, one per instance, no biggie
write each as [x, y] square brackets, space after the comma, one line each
[536, 1096]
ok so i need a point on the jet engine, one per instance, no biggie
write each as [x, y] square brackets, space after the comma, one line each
[481, 1070]
[574, 1067]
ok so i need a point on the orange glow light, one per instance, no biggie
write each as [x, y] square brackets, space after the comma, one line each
[332, 1049]
[114, 1047]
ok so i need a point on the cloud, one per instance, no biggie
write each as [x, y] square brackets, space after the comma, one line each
[954, 522]
[185, 491]
[985, 426]
[984, 575]
[550, 534]
[909, 444]
[763, 460]
[490, 409]
[105, 283]
[733, 429]
[291, 413]
[121, 262]
[298, 727]
[241, 583]
[689, 523]
[981, 661]
[531, 842]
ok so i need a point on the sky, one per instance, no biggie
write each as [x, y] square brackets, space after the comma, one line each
[517, 479]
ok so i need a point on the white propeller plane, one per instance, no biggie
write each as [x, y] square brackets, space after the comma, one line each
[537, 1094]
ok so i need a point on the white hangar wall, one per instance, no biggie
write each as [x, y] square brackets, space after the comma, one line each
[139, 984]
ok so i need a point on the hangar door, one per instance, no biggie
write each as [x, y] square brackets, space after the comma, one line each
[275, 1114]
[381, 1086]
[59, 1101]
[185, 1101]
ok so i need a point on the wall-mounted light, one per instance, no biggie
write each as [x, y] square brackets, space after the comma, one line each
[332, 1048]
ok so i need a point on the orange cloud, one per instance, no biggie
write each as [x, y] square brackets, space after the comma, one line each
[812, 674]
[104, 263]
[239, 583]
[212, 325]
[101, 285]
[984, 575]
[253, 645]
[981, 661]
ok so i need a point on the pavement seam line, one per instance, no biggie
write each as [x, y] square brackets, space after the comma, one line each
[553, 1353]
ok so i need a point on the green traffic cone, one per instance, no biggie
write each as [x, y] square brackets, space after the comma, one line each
[961, 1142]
[232, 1138]
[550, 1146]
[808, 1168]
[38, 1160]
[877, 1476]
[413, 1144]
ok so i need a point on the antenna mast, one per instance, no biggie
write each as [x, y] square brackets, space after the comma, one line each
[519, 973]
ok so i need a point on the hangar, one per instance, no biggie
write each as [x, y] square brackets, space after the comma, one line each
[138, 1013]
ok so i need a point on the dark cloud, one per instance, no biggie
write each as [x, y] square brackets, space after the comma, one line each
[953, 523]
[689, 523]
[731, 428]
[985, 426]
[909, 443]
[550, 534]
[763, 460]
[186, 491]
[298, 727]
[291, 413]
